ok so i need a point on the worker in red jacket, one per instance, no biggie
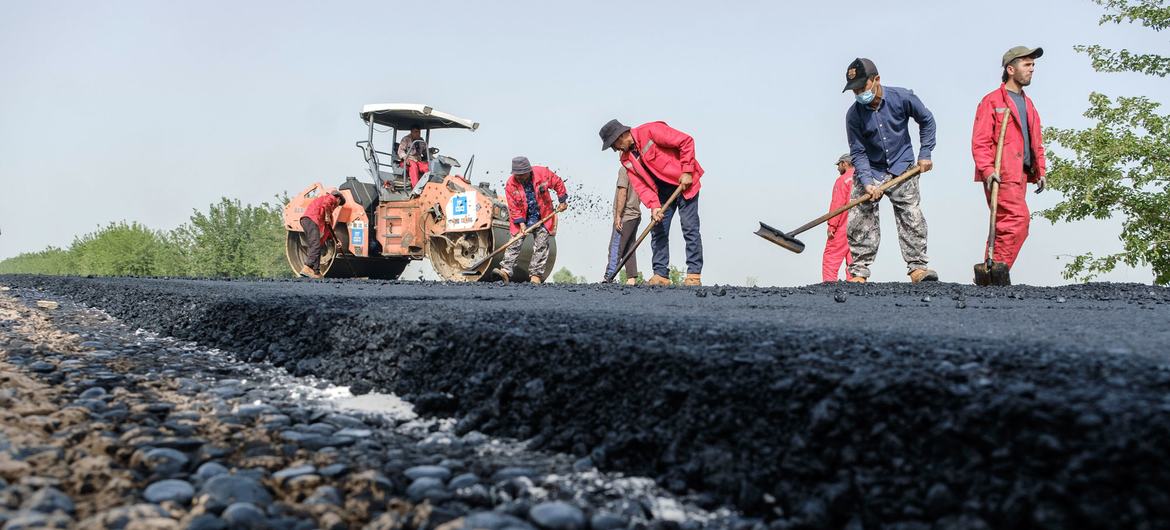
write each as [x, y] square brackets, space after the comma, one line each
[527, 191]
[318, 226]
[1023, 151]
[659, 159]
[837, 246]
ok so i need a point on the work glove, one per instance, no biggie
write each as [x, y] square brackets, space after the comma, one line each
[1040, 184]
[994, 177]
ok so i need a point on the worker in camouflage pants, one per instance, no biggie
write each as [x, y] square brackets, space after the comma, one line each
[865, 232]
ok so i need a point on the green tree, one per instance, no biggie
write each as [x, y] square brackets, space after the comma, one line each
[566, 276]
[236, 240]
[119, 249]
[676, 276]
[1121, 165]
[52, 260]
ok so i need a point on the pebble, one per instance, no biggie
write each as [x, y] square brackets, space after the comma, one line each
[93, 393]
[839, 298]
[334, 470]
[325, 495]
[293, 472]
[207, 522]
[344, 421]
[418, 489]
[606, 521]
[210, 469]
[244, 515]
[557, 515]
[418, 472]
[463, 481]
[49, 500]
[47, 304]
[177, 491]
[354, 433]
[224, 490]
[494, 521]
[509, 473]
[42, 367]
[165, 461]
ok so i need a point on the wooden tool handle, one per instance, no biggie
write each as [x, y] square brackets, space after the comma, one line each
[851, 204]
[514, 239]
[645, 233]
[995, 187]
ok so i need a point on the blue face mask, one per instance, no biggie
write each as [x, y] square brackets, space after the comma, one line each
[865, 98]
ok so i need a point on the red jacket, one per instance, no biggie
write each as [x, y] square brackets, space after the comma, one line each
[841, 191]
[543, 179]
[318, 209]
[986, 133]
[669, 153]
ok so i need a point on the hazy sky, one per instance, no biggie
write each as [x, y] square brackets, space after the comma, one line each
[146, 110]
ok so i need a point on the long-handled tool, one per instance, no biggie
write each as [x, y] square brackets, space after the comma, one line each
[789, 241]
[474, 268]
[646, 232]
[992, 272]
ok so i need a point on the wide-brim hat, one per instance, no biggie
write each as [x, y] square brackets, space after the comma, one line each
[610, 132]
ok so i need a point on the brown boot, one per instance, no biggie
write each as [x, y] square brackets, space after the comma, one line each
[857, 279]
[308, 272]
[503, 276]
[923, 275]
[535, 279]
[693, 279]
[658, 280]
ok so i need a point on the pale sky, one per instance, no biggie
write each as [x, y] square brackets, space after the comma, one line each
[146, 110]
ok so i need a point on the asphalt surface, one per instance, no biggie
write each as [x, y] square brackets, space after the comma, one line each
[827, 406]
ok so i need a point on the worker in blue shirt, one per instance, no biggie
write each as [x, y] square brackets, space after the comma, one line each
[877, 125]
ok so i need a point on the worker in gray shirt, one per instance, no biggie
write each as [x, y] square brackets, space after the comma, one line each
[627, 215]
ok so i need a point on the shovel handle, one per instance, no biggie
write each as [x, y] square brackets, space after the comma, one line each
[910, 173]
[995, 188]
[514, 239]
[645, 233]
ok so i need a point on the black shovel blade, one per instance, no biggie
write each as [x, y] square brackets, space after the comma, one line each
[1000, 274]
[994, 274]
[982, 275]
[780, 238]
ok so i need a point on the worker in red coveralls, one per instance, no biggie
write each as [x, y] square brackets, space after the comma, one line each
[412, 151]
[527, 191]
[318, 226]
[659, 159]
[1023, 151]
[837, 246]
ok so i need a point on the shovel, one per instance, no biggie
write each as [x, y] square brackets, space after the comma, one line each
[993, 272]
[642, 237]
[789, 241]
[474, 268]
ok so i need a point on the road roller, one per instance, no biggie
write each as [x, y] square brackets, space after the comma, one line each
[387, 223]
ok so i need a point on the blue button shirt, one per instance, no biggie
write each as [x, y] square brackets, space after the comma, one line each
[879, 140]
[533, 208]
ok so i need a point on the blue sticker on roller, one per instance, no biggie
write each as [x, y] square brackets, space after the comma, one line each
[356, 236]
[458, 206]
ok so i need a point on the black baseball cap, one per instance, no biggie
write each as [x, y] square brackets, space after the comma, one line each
[860, 70]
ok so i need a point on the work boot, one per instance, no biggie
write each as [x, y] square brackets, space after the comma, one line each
[923, 275]
[693, 280]
[503, 276]
[857, 279]
[535, 279]
[308, 272]
[658, 280]
[631, 281]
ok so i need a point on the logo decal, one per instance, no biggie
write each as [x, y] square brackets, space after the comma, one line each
[852, 74]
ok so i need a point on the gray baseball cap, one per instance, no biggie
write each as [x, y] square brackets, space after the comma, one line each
[1021, 51]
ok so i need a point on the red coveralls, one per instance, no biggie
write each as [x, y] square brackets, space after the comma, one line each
[837, 246]
[416, 168]
[1011, 217]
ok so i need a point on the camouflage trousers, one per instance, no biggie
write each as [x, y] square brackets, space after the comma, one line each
[865, 231]
[539, 253]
